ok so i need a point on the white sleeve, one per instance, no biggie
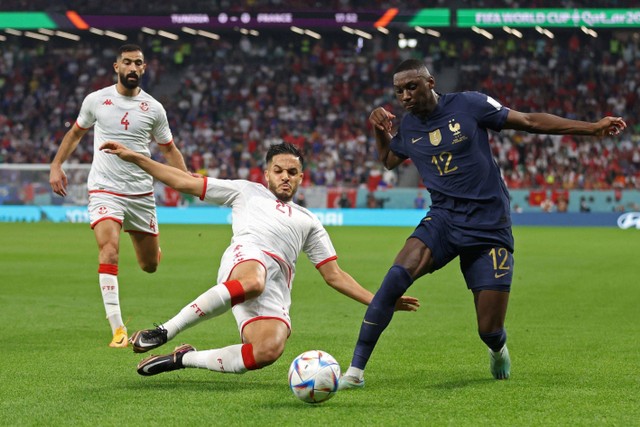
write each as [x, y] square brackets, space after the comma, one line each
[318, 245]
[161, 131]
[86, 116]
[222, 191]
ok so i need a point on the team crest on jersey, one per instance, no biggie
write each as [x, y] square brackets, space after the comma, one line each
[435, 137]
[144, 106]
[103, 210]
[455, 130]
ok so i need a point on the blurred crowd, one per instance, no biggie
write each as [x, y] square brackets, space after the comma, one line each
[229, 99]
[581, 78]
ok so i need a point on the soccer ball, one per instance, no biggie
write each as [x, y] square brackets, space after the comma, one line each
[313, 376]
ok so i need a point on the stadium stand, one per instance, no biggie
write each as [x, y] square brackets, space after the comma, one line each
[229, 99]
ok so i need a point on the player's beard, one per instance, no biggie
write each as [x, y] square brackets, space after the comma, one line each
[129, 84]
[282, 195]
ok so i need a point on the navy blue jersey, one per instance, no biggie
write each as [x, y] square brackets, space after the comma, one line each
[451, 151]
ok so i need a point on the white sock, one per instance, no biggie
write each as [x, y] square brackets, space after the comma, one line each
[355, 372]
[111, 300]
[213, 302]
[226, 360]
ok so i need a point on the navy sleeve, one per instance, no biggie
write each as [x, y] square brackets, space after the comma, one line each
[488, 112]
[397, 145]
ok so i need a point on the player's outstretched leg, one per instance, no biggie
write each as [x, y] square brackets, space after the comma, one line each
[376, 319]
[500, 363]
[120, 339]
[154, 365]
[148, 339]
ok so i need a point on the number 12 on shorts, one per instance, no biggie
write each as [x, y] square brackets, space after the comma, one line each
[501, 264]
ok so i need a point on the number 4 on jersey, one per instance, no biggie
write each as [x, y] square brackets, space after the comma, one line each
[124, 121]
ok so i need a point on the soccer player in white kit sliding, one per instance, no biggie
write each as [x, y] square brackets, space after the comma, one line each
[120, 194]
[257, 269]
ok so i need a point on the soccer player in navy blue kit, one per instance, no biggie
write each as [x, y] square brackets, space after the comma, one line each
[445, 135]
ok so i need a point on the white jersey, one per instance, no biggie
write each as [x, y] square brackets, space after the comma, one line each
[132, 121]
[282, 230]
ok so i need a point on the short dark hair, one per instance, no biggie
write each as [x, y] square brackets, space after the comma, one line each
[284, 148]
[411, 64]
[129, 47]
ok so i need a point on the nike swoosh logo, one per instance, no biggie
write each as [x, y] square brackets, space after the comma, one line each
[148, 367]
[414, 140]
[497, 276]
[121, 341]
[366, 322]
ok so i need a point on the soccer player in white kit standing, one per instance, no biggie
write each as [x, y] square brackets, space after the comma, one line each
[120, 194]
[257, 269]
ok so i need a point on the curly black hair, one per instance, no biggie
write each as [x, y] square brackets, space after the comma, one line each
[284, 148]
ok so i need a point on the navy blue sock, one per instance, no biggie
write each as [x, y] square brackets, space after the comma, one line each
[494, 340]
[379, 313]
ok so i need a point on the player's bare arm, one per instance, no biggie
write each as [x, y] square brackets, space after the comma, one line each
[173, 155]
[169, 175]
[57, 177]
[545, 123]
[342, 282]
[382, 122]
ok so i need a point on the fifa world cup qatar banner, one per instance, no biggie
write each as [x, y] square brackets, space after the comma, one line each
[591, 18]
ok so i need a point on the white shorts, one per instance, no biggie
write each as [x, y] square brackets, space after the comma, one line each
[133, 213]
[275, 301]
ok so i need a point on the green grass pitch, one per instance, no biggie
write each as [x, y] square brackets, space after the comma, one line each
[573, 323]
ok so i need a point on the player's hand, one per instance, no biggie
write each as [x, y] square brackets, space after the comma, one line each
[381, 119]
[118, 149]
[112, 147]
[610, 126]
[58, 180]
[406, 303]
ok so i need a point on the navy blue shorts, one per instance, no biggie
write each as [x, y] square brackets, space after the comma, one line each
[486, 256]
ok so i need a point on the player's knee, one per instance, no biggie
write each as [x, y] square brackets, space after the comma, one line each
[253, 286]
[108, 254]
[267, 353]
[394, 285]
[149, 267]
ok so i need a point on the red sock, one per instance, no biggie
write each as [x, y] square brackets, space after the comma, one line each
[236, 291]
[108, 269]
[247, 357]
